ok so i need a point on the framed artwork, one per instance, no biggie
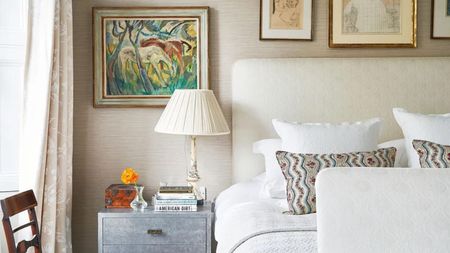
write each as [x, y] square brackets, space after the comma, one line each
[141, 55]
[285, 20]
[372, 23]
[440, 19]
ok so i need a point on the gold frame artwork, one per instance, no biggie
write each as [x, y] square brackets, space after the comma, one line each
[142, 55]
[400, 31]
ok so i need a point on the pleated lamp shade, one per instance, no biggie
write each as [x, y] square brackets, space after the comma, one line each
[192, 112]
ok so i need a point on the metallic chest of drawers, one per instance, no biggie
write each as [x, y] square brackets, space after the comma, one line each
[128, 231]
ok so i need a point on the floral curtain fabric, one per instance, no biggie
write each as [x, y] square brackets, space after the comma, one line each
[46, 142]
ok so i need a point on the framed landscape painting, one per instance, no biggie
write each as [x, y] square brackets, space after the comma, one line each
[440, 19]
[141, 55]
[372, 23]
[285, 20]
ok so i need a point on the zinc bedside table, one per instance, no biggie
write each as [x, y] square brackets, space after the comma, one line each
[125, 231]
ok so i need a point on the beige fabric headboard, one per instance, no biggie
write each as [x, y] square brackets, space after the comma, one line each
[329, 90]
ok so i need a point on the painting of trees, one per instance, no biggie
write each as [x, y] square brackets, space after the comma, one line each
[143, 54]
[150, 56]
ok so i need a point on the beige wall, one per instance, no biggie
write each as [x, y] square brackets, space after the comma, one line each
[107, 140]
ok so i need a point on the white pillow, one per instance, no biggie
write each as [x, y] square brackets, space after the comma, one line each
[274, 183]
[312, 138]
[328, 138]
[434, 128]
[401, 159]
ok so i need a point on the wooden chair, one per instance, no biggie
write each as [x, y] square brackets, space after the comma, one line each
[25, 201]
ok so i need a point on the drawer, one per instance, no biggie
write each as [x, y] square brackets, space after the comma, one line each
[193, 248]
[129, 230]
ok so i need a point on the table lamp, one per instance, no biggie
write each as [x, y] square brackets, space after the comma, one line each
[193, 112]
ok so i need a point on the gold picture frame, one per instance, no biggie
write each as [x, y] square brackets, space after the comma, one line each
[395, 26]
[143, 54]
[440, 19]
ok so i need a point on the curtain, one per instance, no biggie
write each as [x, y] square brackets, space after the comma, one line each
[46, 140]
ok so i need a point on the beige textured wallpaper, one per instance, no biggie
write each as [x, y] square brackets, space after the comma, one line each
[107, 140]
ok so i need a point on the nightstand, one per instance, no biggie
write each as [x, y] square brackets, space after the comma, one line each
[125, 231]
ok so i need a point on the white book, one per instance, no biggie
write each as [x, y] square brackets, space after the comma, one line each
[175, 201]
[175, 196]
[175, 208]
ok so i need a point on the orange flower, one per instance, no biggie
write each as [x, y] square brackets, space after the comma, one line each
[129, 176]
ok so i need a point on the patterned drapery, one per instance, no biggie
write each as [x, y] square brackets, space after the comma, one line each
[46, 142]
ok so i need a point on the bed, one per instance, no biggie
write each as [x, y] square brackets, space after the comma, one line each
[245, 222]
[310, 90]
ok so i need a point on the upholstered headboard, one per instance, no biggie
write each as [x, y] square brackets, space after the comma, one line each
[329, 90]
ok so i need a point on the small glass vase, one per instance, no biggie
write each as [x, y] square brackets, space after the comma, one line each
[138, 203]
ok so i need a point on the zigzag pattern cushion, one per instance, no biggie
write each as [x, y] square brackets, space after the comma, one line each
[300, 171]
[432, 155]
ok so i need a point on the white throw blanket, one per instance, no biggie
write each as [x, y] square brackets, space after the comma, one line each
[261, 226]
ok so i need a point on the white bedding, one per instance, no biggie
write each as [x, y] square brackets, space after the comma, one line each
[247, 223]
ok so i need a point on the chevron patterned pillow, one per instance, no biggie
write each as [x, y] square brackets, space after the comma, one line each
[300, 171]
[432, 155]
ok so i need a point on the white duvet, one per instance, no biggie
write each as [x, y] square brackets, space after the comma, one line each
[247, 223]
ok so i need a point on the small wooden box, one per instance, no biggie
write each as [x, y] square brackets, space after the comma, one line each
[119, 196]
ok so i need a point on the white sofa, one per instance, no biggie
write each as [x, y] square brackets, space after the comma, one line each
[383, 210]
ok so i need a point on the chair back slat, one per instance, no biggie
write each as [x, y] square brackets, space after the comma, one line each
[18, 203]
[23, 246]
[24, 226]
[25, 201]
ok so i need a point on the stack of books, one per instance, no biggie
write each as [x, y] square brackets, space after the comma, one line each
[175, 199]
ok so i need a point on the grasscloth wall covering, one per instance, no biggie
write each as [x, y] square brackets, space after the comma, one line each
[107, 140]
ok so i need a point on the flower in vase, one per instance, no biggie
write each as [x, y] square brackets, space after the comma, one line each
[129, 176]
